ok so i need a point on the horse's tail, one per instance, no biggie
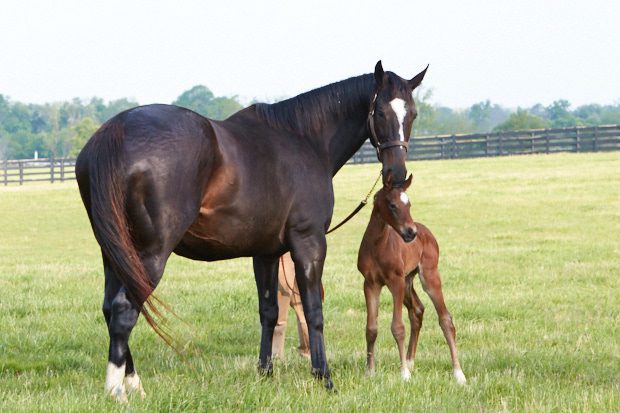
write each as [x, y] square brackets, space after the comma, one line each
[110, 224]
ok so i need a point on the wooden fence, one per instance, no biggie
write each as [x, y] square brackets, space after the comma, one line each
[590, 139]
[36, 170]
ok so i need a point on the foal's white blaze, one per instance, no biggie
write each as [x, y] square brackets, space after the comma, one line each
[400, 109]
[114, 382]
[404, 198]
[459, 376]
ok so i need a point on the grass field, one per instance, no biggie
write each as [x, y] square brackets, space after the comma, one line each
[530, 263]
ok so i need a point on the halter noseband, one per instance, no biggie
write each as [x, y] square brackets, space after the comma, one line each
[374, 140]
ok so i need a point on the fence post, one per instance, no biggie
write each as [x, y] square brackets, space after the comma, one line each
[486, 145]
[20, 164]
[595, 139]
[62, 170]
[500, 146]
[454, 151]
[531, 142]
[547, 140]
[52, 169]
[577, 141]
[6, 172]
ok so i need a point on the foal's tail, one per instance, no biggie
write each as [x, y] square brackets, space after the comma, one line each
[110, 225]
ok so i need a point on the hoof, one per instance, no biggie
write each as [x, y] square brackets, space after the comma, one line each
[329, 385]
[405, 374]
[134, 385]
[460, 377]
[265, 370]
[118, 393]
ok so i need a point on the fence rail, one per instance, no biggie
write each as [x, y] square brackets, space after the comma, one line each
[590, 139]
[587, 139]
[36, 170]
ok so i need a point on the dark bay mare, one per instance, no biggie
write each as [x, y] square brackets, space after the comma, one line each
[159, 179]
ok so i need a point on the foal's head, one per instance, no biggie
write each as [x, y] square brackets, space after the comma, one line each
[393, 206]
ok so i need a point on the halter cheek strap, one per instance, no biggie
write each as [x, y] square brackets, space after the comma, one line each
[374, 140]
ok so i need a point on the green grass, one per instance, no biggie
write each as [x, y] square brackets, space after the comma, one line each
[530, 261]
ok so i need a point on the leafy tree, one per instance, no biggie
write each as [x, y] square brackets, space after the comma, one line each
[196, 99]
[559, 115]
[200, 99]
[485, 115]
[520, 120]
[81, 131]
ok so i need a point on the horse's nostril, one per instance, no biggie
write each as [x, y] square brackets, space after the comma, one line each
[409, 234]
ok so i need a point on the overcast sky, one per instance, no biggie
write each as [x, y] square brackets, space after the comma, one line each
[515, 53]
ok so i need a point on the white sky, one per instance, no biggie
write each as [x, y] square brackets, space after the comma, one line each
[515, 53]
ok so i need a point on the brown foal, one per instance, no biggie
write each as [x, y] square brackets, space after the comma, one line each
[394, 249]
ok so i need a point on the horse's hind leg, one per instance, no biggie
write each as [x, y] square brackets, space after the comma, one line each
[121, 316]
[415, 309]
[431, 282]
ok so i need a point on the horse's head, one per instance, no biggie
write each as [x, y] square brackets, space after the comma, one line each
[394, 207]
[391, 115]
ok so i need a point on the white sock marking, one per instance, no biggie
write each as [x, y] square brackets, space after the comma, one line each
[460, 376]
[114, 382]
[405, 374]
[400, 109]
[133, 384]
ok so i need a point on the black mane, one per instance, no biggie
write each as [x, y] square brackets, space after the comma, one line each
[308, 111]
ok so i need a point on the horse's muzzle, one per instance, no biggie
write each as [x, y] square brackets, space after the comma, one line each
[409, 234]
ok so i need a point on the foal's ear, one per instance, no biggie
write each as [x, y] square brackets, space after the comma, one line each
[407, 183]
[379, 74]
[417, 79]
[389, 180]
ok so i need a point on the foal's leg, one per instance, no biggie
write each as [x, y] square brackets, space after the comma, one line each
[266, 275]
[396, 284]
[431, 282]
[284, 299]
[415, 310]
[372, 292]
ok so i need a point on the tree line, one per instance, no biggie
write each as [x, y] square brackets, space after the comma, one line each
[485, 117]
[61, 129]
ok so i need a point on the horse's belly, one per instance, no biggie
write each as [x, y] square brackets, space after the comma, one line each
[204, 249]
[215, 237]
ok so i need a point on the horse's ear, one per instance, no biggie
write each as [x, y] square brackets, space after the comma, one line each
[417, 79]
[379, 74]
[407, 183]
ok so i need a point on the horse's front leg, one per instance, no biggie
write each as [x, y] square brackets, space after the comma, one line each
[266, 275]
[308, 252]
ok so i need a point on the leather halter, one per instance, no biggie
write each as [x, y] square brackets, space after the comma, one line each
[374, 140]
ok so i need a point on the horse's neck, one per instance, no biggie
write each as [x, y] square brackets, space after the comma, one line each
[344, 140]
[378, 230]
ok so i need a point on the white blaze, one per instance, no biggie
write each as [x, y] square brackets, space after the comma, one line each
[400, 109]
[404, 198]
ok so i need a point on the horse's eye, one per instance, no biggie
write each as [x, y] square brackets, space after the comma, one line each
[393, 206]
[381, 114]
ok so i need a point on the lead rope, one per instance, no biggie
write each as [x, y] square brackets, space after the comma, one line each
[359, 207]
